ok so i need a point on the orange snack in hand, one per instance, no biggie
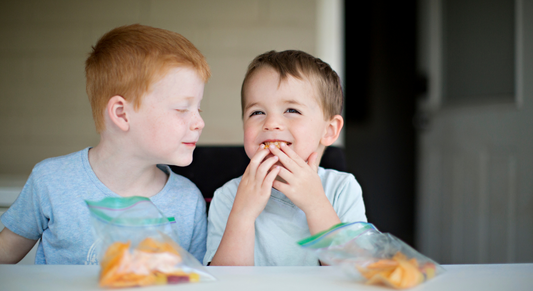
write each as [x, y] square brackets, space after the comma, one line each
[397, 272]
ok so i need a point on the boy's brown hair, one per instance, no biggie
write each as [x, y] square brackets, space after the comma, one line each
[300, 65]
[127, 60]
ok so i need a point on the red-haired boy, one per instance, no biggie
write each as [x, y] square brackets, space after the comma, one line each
[145, 86]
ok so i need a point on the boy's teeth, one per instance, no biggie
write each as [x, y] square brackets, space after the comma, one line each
[276, 143]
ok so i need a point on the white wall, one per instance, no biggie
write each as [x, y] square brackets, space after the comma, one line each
[44, 110]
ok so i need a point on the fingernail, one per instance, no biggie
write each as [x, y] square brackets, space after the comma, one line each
[283, 144]
[262, 146]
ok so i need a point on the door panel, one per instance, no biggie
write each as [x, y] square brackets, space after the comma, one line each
[475, 188]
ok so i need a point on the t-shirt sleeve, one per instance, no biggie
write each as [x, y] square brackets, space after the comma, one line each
[218, 217]
[348, 200]
[197, 247]
[26, 215]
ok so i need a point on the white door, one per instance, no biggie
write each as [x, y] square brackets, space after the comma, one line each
[475, 163]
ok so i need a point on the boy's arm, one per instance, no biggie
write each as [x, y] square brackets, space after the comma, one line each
[236, 247]
[13, 247]
[304, 188]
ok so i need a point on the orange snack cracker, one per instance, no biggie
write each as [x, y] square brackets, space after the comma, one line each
[277, 143]
[398, 272]
[150, 263]
[372, 257]
[152, 246]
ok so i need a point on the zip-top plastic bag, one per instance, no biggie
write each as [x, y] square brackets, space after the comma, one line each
[138, 246]
[368, 255]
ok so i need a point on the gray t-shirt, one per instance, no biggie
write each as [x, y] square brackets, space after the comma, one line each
[51, 207]
[282, 224]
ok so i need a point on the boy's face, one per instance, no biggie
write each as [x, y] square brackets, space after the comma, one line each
[288, 111]
[167, 125]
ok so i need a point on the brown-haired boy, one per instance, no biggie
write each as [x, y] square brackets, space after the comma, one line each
[145, 86]
[292, 100]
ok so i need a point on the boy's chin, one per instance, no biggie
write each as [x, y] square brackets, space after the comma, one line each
[181, 162]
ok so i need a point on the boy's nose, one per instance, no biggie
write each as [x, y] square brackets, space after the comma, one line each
[272, 124]
[198, 122]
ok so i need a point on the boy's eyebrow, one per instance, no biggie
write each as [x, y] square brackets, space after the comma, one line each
[290, 101]
[250, 105]
[187, 98]
[293, 102]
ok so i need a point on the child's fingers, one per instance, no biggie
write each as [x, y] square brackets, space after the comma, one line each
[256, 161]
[281, 187]
[292, 154]
[270, 178]
[313, 161]
[259, 156]
[287, 161]
[286, 175]
[265, 166]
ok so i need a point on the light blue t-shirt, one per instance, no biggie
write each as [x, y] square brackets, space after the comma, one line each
[51, 207]
[282, 224]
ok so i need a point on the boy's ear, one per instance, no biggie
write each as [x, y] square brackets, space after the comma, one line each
[333, 130]
[116, 111]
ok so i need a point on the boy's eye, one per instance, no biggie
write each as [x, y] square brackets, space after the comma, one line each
[256, 113]
[292, 110]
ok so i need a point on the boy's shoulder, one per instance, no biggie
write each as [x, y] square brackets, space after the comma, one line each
[230, 187]
[338, 182]
[60, 164]
[178, 192]
[328, 174]
[227, 192]
[180, 195]
[179, 181]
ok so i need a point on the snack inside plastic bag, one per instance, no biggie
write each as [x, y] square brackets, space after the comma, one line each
[137, 245]
[368, 255]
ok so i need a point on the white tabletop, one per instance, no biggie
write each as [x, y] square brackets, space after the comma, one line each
[456, 277]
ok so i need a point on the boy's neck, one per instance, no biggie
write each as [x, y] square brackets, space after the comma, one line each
[123, 174]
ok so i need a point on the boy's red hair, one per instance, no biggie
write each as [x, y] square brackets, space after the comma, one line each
[127, 60]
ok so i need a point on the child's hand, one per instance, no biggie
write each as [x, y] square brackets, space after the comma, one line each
[303, 186]
[256, 185]
[237, 244]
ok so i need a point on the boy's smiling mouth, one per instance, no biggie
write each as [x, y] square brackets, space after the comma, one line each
[276, 143]
[192, 143]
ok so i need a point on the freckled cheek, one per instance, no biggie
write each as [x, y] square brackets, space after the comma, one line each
[166, 127]
[181, 123]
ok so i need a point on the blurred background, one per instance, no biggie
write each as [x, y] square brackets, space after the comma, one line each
[438, 102]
